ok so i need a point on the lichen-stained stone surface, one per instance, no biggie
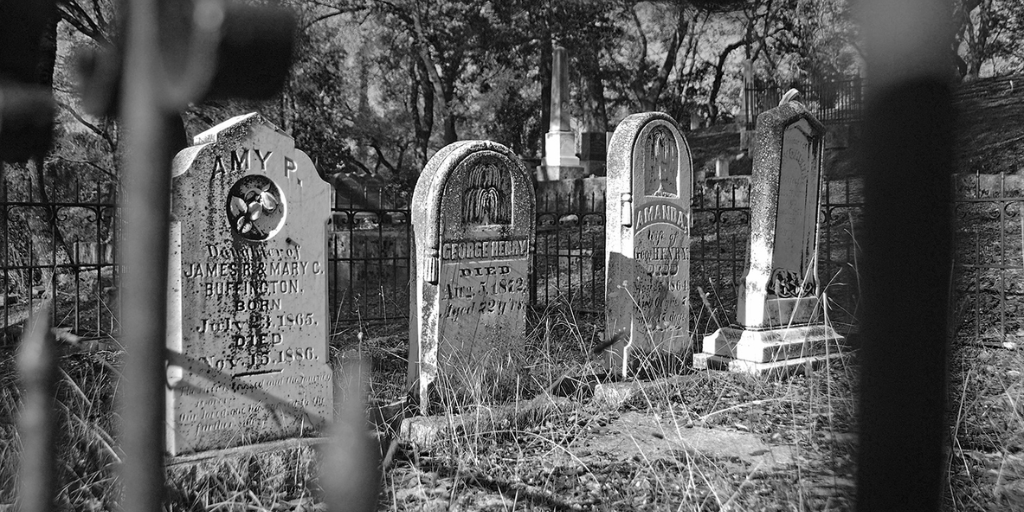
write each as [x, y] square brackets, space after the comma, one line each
[647, 239]
[474, 216]
[247, 333]
[781, 282]
[781, 328]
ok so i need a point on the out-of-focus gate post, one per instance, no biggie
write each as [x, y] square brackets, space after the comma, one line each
[145, 252]
[908, 131]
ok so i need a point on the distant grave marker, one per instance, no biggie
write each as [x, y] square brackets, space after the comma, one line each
[779, 311]
[560, 159]
[247, 333]
[647, 240]
[473, 222]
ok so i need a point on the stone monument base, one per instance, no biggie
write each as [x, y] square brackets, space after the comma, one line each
[773, 344]
[773, 369]
[559, 172]
[768, 351]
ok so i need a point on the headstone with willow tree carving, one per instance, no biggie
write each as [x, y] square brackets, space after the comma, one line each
[647, 239]
[473, 218]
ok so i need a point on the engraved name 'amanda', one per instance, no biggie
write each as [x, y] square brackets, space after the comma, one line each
[661, 212]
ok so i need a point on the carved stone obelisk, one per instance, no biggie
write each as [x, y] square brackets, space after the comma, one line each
[560, 160]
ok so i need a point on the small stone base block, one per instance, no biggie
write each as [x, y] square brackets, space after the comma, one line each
[773, 369]
[560, 149]
[774, 344]
[594, 167]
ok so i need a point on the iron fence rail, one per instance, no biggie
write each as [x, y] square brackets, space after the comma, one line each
[62, 249]
[569, 257]
[65, 248]
[719, 238]
[988, 277]
[832, 102]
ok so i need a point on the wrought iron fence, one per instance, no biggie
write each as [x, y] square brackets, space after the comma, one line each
[988, 276]
[721, 231]
[65, 247]
[370, 252]
[57, 241]
[568, 264]
[832, 102]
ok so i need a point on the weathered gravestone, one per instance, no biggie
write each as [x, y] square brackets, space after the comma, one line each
[647, 239]
[473, 223]
[779, 311]
[247, 336]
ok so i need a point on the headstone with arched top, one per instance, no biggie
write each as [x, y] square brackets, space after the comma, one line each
[473, 223]
[647, 240]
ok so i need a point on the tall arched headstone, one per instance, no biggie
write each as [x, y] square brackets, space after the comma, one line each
[473, 223]
[779, 311]
[647, 240]
[247, 333]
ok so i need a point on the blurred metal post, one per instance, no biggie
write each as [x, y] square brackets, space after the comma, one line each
[145, 252]
[174, 52]
[350, 473]
[37, 427]
[908, 129]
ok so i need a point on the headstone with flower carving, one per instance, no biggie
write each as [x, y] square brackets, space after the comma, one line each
[247, 333]
[647, 243]
[780, 321]
[473, 219]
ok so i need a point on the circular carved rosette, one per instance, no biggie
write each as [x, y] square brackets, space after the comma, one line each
[256, 208]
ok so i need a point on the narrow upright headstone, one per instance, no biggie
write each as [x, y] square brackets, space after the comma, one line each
[594, 153]
[721, 167]
[560, 160]
[247, 333]
[779, 311]
[647, 240]
[473, 224]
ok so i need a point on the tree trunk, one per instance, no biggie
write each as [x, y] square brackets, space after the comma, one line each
[438, 82]
[595, 112]
[716, 84]
[649, 96]
[450, 134]
[422, 119]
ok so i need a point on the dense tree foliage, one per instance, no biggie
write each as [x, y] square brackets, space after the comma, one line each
[379, 85]
[989, 37]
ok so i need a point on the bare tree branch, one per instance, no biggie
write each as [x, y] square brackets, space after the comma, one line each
[104, 134]
[76, 16]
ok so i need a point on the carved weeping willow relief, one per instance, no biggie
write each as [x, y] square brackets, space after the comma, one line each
[661, 159]
[788, 284]
[488, 198]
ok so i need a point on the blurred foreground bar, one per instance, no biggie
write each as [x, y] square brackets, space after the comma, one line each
[908, 159]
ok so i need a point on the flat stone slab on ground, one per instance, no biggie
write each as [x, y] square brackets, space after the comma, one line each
[614, 394]
[427, 431]
[653, 437]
